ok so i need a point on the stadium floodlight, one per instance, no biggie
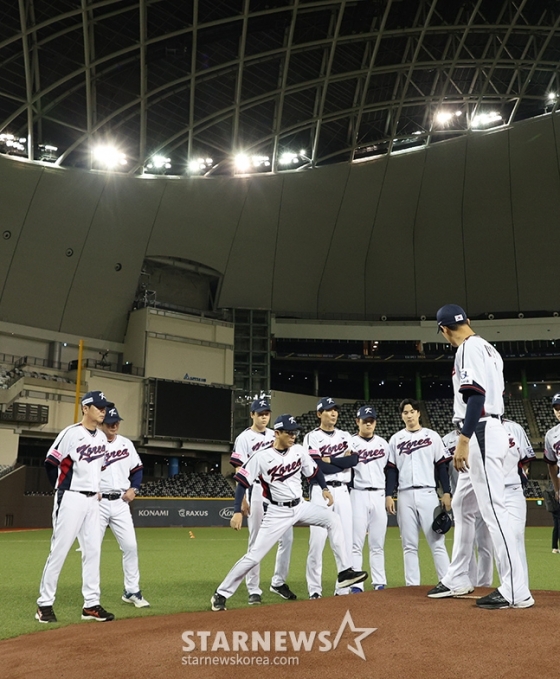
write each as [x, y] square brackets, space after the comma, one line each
[109, 157]
[160, 163]
[288, 158]
[200, 165]
[260, 161]
[484, 119]
[443, 117]
[552, 96]
[242, 162]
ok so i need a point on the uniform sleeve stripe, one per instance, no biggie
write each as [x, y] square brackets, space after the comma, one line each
[241, 480]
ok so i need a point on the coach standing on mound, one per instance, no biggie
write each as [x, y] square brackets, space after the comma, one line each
[73, 466]
[482, 447]
[121, 478]
[279, 470]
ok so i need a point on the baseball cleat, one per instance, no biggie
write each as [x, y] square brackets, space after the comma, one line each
[556, 551]
[350, 577]
[284, 591]
[378, 587]
[526, 603]
[315, 596]
[45, 614]
[440, 591]
[356, 590]
[493, 601]
[97, 613]
[218, 602]
[135, 598]
[255, 599]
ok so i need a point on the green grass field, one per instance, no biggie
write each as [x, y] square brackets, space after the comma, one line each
[180, 573]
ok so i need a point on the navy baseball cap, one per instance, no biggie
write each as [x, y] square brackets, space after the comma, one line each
[327, 403]
[451, 314]
[286, 423]
[442, 520]
[556, 400]
[366, 411]
[261, 405]
[95, 398]
[112, 415]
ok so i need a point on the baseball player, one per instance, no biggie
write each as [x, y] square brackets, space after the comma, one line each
[121, 478]
[481, 566]
[520, 455]
[368, 497]
[330, 448]
[73, 466]
[255, 438]
[279, 470]
[552, 452]
[482, 448]
[416, 455]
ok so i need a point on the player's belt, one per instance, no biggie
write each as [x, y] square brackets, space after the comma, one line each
[290, 503]
[111, 496]
[336, 484]
[369, 488]
[87, 493]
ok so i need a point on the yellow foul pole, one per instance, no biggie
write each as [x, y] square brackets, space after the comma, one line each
[78, 381]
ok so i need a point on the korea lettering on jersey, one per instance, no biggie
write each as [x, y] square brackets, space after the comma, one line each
[373, 456]
[320, 444]
[248, 443]
[279, 472]
[552, 446]
[120, 461]
[78, 454]
[414, 454]
[478, 368]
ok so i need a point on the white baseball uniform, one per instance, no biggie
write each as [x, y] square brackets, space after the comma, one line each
[279, 473]
[481, 567]
[368, 505]
[246, 445]
[415, 454]
[78, 453]
[479, 369]
[333, 444]
[121, 460]
[520, 452]
[552, 446]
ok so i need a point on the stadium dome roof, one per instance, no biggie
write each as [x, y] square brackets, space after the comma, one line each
[328, 80]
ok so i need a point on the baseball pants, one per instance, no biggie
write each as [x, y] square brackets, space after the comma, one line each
[415, 510]
[276, 522]
[481, 568]
[282, 565]
[74, 515]
[116, 514]
[484, 486]
[318, 536]
[516, 504]
[369, 516]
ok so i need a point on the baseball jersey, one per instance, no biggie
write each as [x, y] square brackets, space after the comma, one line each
[520, 451]
[332, 444]
[121, 460]
[279, 472]
[552, 446]
[414, 454]
[373, 455]
[479, 368]
[78, 453]
[246, 445]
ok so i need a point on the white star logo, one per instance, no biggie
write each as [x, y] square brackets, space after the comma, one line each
[262, 403]
[365, 632]
[368, 410]
[101, 395]
[329, 400]
[292, 420]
